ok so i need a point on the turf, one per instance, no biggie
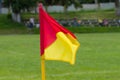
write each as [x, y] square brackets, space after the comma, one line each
[97, 59]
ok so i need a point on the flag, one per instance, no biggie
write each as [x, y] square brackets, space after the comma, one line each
[57, 43]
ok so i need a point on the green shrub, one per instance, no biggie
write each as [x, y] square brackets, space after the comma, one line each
[9, 16]
[93, 29]
[89, 29]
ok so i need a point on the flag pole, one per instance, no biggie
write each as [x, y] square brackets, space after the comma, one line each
[42, 56]
[43, 67]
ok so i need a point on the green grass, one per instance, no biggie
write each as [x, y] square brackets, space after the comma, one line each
[97, 59]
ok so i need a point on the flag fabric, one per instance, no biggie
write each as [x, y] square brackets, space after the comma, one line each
[56, 42]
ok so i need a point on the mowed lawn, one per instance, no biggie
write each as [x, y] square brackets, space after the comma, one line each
[98, 58]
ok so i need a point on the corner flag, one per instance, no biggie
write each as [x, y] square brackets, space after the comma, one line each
[57, 43]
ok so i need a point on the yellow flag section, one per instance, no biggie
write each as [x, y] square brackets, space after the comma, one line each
[63, 48]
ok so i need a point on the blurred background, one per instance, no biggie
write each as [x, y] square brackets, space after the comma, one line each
[16, 15]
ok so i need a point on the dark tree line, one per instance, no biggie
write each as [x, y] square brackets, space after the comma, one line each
[16, 6]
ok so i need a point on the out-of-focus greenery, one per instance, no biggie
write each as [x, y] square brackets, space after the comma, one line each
[92, 14]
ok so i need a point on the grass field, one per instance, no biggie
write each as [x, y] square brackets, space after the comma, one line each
[97, 59]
